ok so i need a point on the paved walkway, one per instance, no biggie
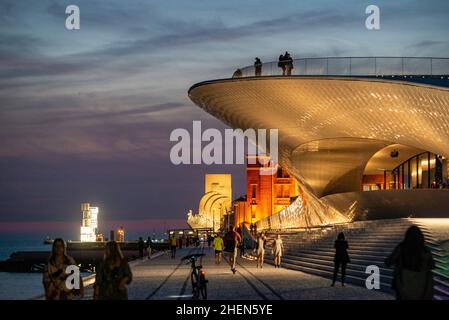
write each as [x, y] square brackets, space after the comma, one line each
[166, 278]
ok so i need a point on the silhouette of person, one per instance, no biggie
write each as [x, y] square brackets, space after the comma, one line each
[232, 240]
[149, 246]
[341, 258]
[113, 274]
[413, 264]
[258, 67]
[237, 73]
[173, 245]
[141, 247]
[281, 64]
[288, 61]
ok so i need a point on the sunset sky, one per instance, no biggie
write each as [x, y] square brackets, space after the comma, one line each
[85, 115]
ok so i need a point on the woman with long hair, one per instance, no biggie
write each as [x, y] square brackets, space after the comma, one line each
[261, 249]
[413, 264]
[341, 258]
[55, 276]
[113, 274]
[278, 250]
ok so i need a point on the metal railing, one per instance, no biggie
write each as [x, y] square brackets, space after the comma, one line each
[355, 66]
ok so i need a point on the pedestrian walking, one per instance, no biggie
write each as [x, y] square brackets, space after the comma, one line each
[278, 250]
[173, 245]
[242, 248]
[261, 249]
[218, 248]
[258, 67]
[149, 246]
[209, 240]
[113, 274]
[141, 247]
[232, 239]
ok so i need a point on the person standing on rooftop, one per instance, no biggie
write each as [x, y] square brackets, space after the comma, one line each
[288, 60]
[258, 67]
[281, 64]
[218, 248]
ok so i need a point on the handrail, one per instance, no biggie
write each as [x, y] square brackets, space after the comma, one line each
[353, 66]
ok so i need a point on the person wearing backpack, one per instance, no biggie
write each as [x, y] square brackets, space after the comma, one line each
[413, 264]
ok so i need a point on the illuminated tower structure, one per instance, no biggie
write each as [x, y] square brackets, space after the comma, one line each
[89, 223]
[215, 205]
[120, 235]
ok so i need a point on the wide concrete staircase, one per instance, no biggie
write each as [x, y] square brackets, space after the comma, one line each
[370, 242]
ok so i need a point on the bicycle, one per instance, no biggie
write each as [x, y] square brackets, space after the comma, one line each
[197, 276]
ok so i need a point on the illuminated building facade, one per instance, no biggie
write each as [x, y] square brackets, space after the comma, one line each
[365, 137]
[89, 224]
[265, 194]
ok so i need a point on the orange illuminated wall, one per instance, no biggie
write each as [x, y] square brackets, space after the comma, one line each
[265, 194]
[375, 181]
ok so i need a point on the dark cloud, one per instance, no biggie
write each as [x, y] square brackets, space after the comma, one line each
[87, 116]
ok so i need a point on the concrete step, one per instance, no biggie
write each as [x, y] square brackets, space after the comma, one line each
[351, 279]
[350, 269]
[354, 259]
[353, 264]
[441, 290]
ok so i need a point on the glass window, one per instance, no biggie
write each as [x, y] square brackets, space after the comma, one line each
[424, 160]
[413, 172]
[253, 190]
[279, 191]
[406, 176]
[422, 166]
[432, 170]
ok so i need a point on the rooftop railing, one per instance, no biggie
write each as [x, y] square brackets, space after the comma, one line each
[355, 66]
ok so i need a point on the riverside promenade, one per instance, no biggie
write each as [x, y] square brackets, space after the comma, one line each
[163, 278]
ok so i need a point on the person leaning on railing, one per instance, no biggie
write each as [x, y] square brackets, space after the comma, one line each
[237, 73]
